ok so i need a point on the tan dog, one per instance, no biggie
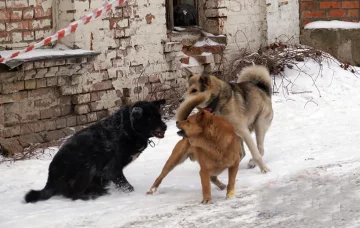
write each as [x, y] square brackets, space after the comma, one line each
[210, 140]
[245, 104]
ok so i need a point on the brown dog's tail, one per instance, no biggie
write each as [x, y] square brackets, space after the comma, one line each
[259, 75]
[188, 105]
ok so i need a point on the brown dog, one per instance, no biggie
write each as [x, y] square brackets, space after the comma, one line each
[211, 141]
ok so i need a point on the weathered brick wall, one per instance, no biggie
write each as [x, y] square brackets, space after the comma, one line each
[24, 21]
[315, 10]
[37, 104]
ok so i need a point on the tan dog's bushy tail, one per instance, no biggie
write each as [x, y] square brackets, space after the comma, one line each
[258, 75]
[188, 105]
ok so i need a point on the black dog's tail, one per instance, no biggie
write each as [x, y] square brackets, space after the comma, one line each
[33, 195]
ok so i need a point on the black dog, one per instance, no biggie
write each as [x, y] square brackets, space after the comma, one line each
[94, 156]
[184, 15]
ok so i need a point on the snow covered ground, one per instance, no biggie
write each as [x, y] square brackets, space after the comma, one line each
[312, 150]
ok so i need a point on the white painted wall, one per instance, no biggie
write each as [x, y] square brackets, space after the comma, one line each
[283, 20]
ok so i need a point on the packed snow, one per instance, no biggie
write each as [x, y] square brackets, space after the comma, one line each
[312, 149]
[206, 42]
[334, 24]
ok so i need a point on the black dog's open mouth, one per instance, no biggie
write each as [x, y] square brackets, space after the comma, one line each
[159, 134]
[181, 133]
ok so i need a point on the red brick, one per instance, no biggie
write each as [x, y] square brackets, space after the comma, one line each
[39, 92]
[30, 84]
[336, 13]
[51, 112]
[313, 14]
[40, 83]
[102, 85]
[308, 5]
[27, 140]
[28, 14]
[5, 15]
[5, 36]
[40, 24]
[13, 87]
[81, 98]
[94, 96]
[40, 13]
[17, 3]
[22, 25]
[82, 109]
[92, 117]
[32, 127]
[50, 125]
[71, 121]
[350, 5]
[60, 123]
[353, 13]
[81, 119]
[327, 5]
[16, 15]
[66, 110]
[28, 35]
[11, 131]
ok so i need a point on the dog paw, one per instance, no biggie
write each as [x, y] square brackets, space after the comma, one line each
[206, 201]
[264, 170]
[230, 194]
[127, 188]
[222, 186]
[251, 164]
[151, 191]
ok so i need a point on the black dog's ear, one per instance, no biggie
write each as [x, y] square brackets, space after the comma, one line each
[136, 112]
[158, 103]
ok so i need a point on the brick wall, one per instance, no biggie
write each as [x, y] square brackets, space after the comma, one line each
[315, 10]
[37, 104]
[24, 21]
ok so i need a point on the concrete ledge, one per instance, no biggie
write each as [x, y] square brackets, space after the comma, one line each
[343, 44]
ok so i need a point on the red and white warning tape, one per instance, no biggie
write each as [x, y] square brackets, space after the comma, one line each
[71, 28]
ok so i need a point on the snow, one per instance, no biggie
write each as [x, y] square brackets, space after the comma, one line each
[179, 28]
[312, 149]
[192, 62]
[207, 34]
[206, 42]
[206, 53]
[334, 24]
[58, 50]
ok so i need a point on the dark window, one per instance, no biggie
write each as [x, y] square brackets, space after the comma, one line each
[182, 13]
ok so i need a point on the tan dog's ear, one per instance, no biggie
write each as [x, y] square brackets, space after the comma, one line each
[200, 115]
[205, 79]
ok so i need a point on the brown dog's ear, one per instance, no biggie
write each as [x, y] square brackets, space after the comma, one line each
[200, 115]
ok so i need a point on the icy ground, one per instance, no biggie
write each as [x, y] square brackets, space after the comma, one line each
[312, 150]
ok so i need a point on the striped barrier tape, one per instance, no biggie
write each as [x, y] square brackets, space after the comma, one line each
[71, 28]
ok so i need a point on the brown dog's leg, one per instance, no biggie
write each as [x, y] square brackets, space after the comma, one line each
[206, 188]
[217, 182]
[178, 156]
[232, 178]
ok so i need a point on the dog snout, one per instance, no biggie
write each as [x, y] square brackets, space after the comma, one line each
[164, 127]
[177, 122]
[181, 100]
